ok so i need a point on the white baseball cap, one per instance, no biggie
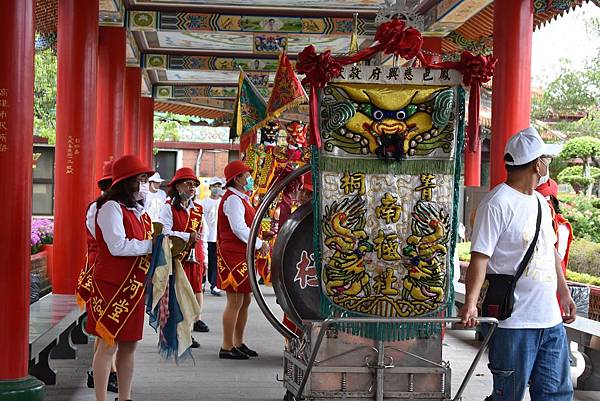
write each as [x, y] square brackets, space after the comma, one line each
[525, 146]
[155, 178]
[215, 180]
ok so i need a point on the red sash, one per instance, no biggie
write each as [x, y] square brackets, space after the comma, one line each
[112, 314]
[189, 222]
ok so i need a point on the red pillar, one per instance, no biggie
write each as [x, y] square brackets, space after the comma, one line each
[511, 92]
[110, 138]
[16, 163]
[147, 130]
[75, 137]
[133, 91]
[473, 166]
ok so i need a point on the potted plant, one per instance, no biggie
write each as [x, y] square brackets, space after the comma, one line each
[42, 232]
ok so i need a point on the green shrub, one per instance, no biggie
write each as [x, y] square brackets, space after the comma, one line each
[583, 212]
[583, 278]
[584, 257]
[464, 251]
[574, 175]
[583, 146]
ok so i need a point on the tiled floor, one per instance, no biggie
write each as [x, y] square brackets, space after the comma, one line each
[208, 378]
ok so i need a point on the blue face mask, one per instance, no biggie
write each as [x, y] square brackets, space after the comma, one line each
[249, 184]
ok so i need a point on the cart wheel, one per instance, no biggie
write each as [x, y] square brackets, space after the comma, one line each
[289, 396]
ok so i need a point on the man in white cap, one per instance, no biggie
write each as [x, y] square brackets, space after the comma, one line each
[156, 197]
[210, 204]
[529, 347]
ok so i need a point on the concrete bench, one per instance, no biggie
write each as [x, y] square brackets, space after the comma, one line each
[585, 332]
[55, 324]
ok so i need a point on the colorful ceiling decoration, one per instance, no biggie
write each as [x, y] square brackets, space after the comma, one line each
[191, 50]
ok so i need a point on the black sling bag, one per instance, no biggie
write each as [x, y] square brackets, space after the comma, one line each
[498, 290]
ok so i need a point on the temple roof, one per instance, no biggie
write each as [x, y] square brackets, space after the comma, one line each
[190, 49]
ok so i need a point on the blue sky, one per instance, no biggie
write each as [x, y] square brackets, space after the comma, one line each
[560, 39]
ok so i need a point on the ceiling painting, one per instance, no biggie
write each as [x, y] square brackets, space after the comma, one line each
[330, 4]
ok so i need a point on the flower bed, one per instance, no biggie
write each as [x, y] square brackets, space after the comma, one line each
[42, 235]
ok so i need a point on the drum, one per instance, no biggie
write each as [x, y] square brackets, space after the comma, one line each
[293, 269]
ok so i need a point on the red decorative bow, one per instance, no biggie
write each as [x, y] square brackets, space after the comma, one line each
[393, 38]
[476, 70]
[318, 68]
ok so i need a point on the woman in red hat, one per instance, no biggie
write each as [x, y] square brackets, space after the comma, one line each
[562, 227]
[235, 217]
[184, 218]
[83, 290]
[124, 238]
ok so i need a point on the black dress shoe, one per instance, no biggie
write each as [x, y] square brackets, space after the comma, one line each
[247, 351]
[113, 384]
[90, 378]
[201, 327]
[195, 344]
[233, 353]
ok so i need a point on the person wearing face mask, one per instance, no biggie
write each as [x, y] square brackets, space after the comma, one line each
[83, 291]
[123, 232]
[234, 219]
[182, 217]
[562, 227]
[210, 204]
[529, 348]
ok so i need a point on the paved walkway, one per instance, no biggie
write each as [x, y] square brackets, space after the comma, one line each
[211, 379]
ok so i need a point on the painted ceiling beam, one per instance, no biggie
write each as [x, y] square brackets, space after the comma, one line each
[249, 24]
[200, 91]
[209, 63]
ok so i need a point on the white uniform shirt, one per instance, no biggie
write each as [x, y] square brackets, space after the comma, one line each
[504, 228]
[90, 219]
[211, 209]
[166, 219]
[154, 203]
[110, 222]
[234, 210]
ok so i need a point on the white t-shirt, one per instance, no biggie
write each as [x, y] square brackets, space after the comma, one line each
[154, 202]
[504, 228]
[211, 208]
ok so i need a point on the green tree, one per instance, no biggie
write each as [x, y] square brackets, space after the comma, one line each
[44, 102]
[584, 147]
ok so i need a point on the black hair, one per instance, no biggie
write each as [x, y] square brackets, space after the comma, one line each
[555, 204]
[520, 167]
[120, 192]
[105, 184]
[173, 193]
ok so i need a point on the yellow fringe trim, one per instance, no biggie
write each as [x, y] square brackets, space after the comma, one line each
[104, 334]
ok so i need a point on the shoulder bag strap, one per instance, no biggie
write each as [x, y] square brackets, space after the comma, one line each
[529, 253]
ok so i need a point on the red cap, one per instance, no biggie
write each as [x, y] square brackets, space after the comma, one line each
[235, 168]
[548, 188]
[106, 171]
[128, 166]
[307, 182]
[184, 173]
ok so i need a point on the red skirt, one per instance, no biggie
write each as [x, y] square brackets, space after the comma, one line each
[194, 273]
[133, 328]
[232, 273]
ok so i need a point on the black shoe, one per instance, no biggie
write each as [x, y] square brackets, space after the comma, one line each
[195, 344]
[234, 353]
[90, 379]
[201, 327]
[216, 292]
[247, 350]
[113, 384]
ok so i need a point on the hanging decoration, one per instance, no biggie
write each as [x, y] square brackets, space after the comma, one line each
[393, 37]
[249, 113]
[386, 160]
[287, 89]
